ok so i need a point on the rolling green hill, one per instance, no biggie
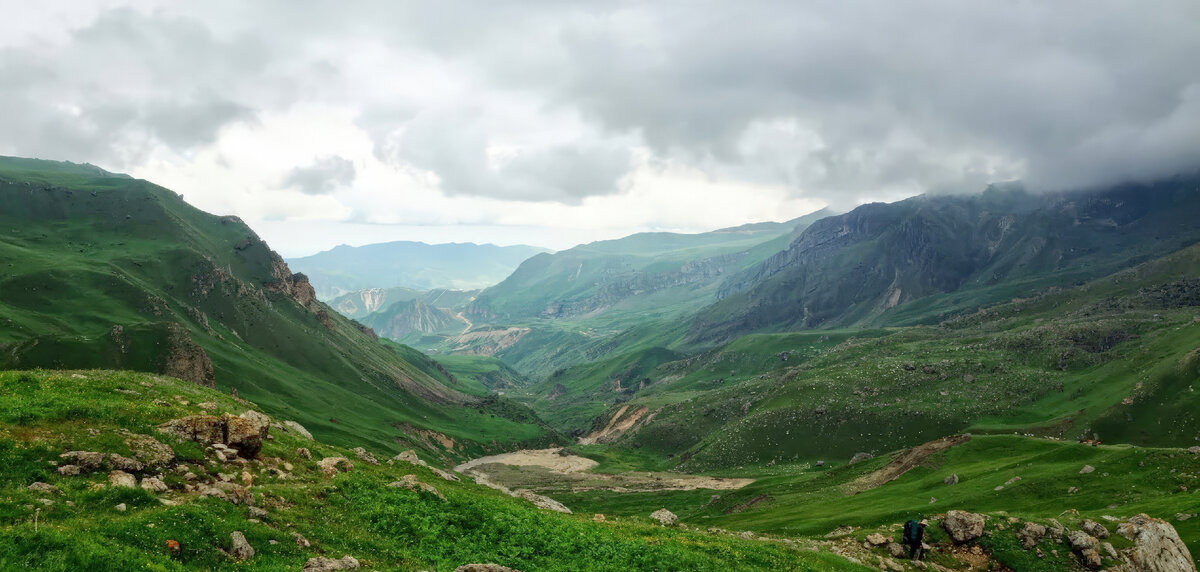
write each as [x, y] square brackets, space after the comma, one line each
[108, 271]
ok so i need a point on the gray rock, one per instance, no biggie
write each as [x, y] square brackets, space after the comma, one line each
[121, 507]
[122, 479]
[154, 485]
[1090, 558]
[665, 517]
[895, 550]
[1080, 541]
[87, 460]
[1086, 469]
[541, 501]
[240, 548]
[876, 539]
[364, 455]
[1031, 534]
[951, 480]
[963, 526]
[298, 429]
[1156, 546]
[860, 457]
[124, 463]
[321, 564]
[1094, 528]
[411, 483]
[40, 487]
[69, 470]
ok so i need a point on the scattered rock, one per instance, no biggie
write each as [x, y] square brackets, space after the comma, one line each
[331, 465]
[149, 450]
[122, 479]
[1031, 534]
[876, 539]
[664, 517]
[301, 541]
[541, 501]
[484, 568]
[1194, 450]
[1072, 490]
[86, 460]
[69, 470]
[411, 483]
[444, 474]
[860, 457]
[321, 564]
[1094, 528]
[895, 549]
[1086, 469]
[1156, 545]
[963, 526]
[124, 463]
[303, 452]
[364, 455]
[1090, 558]
[241, 549]
[1080, 541]
[298, 429]
[154, 485]
[1011, 481]
[121, 507]
[951, 480]
[40, 487]
[256, 512]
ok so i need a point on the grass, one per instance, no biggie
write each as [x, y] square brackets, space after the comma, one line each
[43, 413]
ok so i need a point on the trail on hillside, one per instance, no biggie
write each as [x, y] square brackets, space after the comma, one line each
[468, 322]
[904, 462]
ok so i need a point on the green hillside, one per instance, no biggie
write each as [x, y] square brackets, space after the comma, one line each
[107, 271]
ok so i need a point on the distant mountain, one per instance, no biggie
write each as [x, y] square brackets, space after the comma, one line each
[647, 269]
[414, 265]
[105, 271]
[415, 316]
[360, 304]
[924, 258]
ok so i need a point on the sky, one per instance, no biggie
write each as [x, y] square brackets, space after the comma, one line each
[555, 122]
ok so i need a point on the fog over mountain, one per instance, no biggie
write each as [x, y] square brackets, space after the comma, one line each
[556, 123]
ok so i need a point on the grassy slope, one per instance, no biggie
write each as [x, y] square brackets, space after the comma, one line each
[802, 499]
[484, 373]
[85, 252]
[43, 414]
[1059, 364]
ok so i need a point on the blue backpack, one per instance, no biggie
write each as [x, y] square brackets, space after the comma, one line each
[912, 529]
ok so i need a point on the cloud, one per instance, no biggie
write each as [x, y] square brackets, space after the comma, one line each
[323, 177]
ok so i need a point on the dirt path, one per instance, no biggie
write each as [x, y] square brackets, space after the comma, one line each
[468, 322]
[903, 463]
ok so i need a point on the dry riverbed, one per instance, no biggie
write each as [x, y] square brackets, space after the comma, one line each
[547, 470]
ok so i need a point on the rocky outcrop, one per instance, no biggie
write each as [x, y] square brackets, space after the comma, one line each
[295, 286]
[365, 456]
[331, 465]
[1156, 546]
[665, 517]
[963, 526]
[1031, 534]
[149, 450]
[322, 564]
[243, 435]
[410, 482]
[239, 548]
[184, 359]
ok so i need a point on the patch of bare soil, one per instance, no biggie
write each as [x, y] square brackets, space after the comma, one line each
[547, 470]
[617, 425]
[903, 463]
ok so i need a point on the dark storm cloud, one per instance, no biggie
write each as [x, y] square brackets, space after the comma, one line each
[837, 100]
[324, 176]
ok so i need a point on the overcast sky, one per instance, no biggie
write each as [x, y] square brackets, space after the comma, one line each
[553, 122]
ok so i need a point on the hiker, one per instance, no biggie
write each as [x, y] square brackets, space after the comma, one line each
[914, 534]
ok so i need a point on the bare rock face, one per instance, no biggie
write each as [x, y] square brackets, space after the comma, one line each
[185, 359]
[244, 435]
[1031, 534]
[541, 501]
[1156, 546]
[411, 483]
[240, 548]
[664, 517]
[963, 526]
[321, 564]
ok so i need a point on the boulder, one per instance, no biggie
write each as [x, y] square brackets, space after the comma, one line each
[876, 539]
[1195, 450]
[1094, 528]
[444, 474]
[303, 452]
[120, 507]
[240, 549]
[301, 542]
[40, 487]
[1080, 541]
[258, 421]
[154, 485]
[1156, 546]
[124, 463]
[298, 429]
[599, 518]
[895, 549]
[951, 480]
[256, 512]
[1086, 469]
[122, 479]
[321, 564]
[963, 526]
[331, 465]
[1090, 558]
[541, 501]
[69, 470]
[365, 455]
[411, 483]
[1031, 534]
[243, 435]
[86, 460]
[484, 568]
[665, 517]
